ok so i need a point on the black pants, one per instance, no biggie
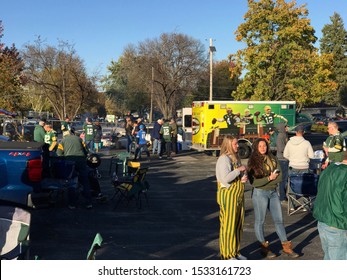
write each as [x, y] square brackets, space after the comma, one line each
[174, 144]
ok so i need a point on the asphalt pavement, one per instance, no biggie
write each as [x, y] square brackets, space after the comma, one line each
[180, 221]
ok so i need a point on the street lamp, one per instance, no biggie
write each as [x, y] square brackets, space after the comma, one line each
[211, 50]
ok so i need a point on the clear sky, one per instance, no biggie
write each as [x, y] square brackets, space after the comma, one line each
[101, 29]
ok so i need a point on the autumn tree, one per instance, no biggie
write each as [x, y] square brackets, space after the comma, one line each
[58, 74]
[334, 41]
[11, 76]
[165, 69]
[280, 61]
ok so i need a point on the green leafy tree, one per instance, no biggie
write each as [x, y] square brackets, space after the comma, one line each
[279, 61]
[222, 84]
[11, 76]
[334, 41]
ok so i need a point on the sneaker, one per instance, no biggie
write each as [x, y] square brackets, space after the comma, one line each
[241, 258]
[89, 206]
[284, 202]
[71, 207]
[160, 157]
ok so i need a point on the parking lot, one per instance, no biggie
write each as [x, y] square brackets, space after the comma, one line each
[180, 221]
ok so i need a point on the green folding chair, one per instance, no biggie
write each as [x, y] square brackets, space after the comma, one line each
[95, 246]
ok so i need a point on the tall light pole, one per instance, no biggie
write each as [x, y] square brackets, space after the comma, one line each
[211, 50]
[152, 91]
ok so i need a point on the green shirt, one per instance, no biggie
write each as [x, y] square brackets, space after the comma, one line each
[71, 146]
[39, 133]
[330, 206]
[166, 130]
[51, 139]
[88, 132]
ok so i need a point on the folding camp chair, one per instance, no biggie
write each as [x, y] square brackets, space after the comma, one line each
[94, 247]
[301, 192]
[131, 187]
[64, 176]
[120, 160]
[14, 232]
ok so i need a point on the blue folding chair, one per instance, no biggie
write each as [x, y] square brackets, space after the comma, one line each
[301, 192]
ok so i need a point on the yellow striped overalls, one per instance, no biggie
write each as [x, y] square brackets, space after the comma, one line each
[231, 217]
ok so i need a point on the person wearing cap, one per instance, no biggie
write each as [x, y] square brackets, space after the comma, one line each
[88, 130]
[299, 152]
[269, 117]
[141, 143]
[72, 148]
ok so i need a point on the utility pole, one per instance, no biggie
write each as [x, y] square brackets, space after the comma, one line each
[211, 50]
[152, 92]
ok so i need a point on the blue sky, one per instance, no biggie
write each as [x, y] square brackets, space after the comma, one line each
[100, 30]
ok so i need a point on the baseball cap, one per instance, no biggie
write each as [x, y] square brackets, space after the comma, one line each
[142, 126]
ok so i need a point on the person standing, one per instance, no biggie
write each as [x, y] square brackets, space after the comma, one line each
[39, 132]
[330, 210]
[97, 136]
[51, 138]
[88, 130]
[166, 132]
[156, 137]
[40, 136]
[281, 141]
[174, 132]
[72, 148]
[299, 152]
[264, 174]
[141, 143]
[128, 132]
[334, 145]
[231, 178]
[65, 125]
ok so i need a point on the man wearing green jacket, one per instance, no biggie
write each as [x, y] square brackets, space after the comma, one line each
[330, 209]
[72, 148]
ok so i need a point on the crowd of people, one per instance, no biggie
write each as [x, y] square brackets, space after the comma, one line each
[267, 173]
[163, 135]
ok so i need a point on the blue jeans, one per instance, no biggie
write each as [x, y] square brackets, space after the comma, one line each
[262, 201]
[283, 184]
[297, 171]
[129, 141]
[334, 242]
[90, 145]
[156, 146]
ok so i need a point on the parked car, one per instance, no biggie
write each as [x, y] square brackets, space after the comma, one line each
[316, 133]
[316, 138]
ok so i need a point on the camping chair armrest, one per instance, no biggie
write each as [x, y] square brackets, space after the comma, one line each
[14, 253]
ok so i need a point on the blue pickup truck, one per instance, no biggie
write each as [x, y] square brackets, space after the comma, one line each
[20, 171]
